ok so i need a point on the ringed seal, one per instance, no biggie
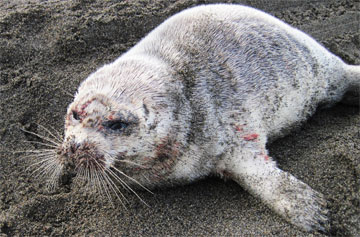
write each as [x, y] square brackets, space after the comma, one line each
[202, 94]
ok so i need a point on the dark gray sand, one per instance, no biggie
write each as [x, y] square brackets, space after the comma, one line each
[48, 47]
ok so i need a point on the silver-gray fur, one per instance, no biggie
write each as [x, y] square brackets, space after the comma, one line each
[202, 94]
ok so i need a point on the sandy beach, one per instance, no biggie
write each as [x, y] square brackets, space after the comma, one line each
[48, 47]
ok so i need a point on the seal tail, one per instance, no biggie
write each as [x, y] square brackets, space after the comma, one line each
[352, 96]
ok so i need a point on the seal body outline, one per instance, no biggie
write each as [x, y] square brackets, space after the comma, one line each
[202, 94]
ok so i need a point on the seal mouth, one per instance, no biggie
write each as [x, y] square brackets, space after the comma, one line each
[83, 157]
[87, 163]
[65, 162]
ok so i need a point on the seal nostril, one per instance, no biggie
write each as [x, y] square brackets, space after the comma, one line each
[74, 147]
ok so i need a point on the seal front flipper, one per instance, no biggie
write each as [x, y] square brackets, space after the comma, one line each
[294, 200]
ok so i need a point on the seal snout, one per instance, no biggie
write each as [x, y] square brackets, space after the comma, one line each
[83, 155]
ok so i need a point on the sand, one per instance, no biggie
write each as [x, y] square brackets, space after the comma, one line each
[48, 47]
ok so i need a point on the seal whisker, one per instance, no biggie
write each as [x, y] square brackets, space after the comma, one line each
[44, 162]
[83, 174]
[39, 156]
[128, 187]
[44, 169]
[79, 175]
[79, 166]
[109, 185]
[117, 178]
[35, 151]
[121, 182]
[54, 178]
[58, 138]
[68, 93]
[41, 136]
[133, 163]
[40, 162]
[98, 173]
[52, 174]
[95, 182]
[41, 143]
[92, 182]
[146, 178]
[100, 179]
[87, 172]
[59, 135]
[32, 151]
[116, 190]
[132, 179]
[87, 177]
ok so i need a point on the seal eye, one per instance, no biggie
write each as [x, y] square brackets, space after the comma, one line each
[75, 115]
[116, 125]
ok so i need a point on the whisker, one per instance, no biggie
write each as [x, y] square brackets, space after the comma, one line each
[68, 93]
[41, 168]
[145, 177]
[31, 151]
[102, 189]
[38, 156]
[54, 178]
[100, 176]
[41, 143]
[132, 179]
[121, 182]
[45, 168]
[47, 130]
[60, 136]
[41, 136]
[91, 182]
[39, 162]
[108, 194]
[40, 152]
[80, 174]
[116, 177]
[95, 183]
[133, 163]
[115, 189]
[87, 173]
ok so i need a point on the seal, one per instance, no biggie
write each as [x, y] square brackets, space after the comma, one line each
[202, 94]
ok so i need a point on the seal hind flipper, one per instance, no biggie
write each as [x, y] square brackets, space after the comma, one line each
[352, 96]
[294, 200]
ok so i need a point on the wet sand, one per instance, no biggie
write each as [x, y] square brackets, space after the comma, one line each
[48, 48]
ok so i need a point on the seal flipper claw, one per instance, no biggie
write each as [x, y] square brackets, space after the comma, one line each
[294, 200]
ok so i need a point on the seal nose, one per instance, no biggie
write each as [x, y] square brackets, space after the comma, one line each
[74, 147]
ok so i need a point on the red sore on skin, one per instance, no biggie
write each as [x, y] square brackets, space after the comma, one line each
[167, 148]
[86, 104]
[251, 137]
[239, 128]
[111, 116]
[266, 157]
[81, 112]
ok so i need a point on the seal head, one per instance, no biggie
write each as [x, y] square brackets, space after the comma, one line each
[120, 130]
